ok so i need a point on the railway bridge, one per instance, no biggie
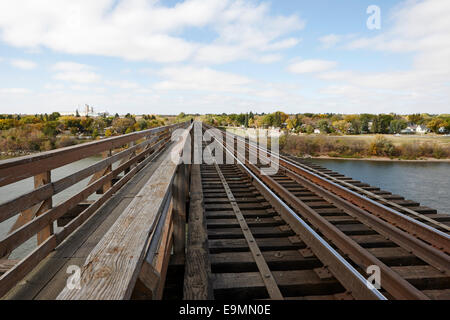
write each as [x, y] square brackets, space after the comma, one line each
[148, 221]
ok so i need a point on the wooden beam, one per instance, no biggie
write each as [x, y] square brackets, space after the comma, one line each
[179, 208]
[7, 264]
[197, 278]
[151, 279]
[108, 184]
[10, 278]
[22, 234]
[147, 283]
[46, 232]
[12, 170]
[12, 207]
[112, 268]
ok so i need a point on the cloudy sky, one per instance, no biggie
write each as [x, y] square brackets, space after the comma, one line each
[214, 56]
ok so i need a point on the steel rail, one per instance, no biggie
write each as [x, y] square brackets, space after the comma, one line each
[434, 257]
[371, 194]
[393, 283]
[264, 270]
[418, 229]
[348, 276]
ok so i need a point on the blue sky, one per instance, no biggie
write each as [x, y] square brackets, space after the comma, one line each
[165, 57]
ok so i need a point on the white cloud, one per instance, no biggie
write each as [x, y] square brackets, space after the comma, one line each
[200, 79]
[330, 40]
[269, 58]
[419, 29]
[123, 84]
[309, 66]
[23, 64]
[75, 72]
[8, 91]
[54, 86]
[146, 30]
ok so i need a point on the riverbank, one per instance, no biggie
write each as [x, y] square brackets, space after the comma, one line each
[424, 160]
[423, 181]
[378, 148]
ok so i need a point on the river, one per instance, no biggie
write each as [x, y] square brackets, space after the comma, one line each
[424, 182]
[16, 189]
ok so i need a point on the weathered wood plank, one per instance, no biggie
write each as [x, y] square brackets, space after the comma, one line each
[13, 206]
[47, 231]
[291, 283]
[26, 231]
[12, 170]
[238, 245]
[179, 214]
[111, 270]
[197, 279]
[6, 264]
[276, 260]
[48, 279]
[9, 279]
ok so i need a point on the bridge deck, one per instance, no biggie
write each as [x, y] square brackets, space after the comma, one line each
[49, 278]
[293, 235]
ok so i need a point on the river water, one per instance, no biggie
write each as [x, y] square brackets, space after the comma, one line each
[16, 189]
[424, 182]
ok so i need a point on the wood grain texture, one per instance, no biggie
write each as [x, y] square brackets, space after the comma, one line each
[112, 268]
[197, 279]
[6, 264]
[47, 279]
[12, 170]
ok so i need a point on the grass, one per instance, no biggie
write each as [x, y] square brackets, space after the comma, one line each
[403, 147]
[385, 146]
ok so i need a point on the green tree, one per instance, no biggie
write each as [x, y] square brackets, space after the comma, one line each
[324, 126]
[415, 118]
[396, 126]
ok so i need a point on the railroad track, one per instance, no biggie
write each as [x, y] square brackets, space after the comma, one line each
[287, 236]
[413, 209]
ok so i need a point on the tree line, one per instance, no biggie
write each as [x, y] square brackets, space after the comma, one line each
[42, 132]
[334, 123]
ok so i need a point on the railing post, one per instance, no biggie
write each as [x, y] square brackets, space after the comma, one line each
[179, 211]
[108, 184]
[130, 145]
[40, 180]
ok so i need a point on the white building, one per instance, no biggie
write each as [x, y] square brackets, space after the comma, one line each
[422, 129]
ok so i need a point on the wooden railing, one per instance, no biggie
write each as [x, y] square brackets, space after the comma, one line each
[35, 212]
[131, 259]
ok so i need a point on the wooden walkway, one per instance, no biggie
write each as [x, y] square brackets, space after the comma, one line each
[122, 250]
[50, 277]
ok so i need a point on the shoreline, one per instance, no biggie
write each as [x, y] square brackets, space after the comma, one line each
[385, 159]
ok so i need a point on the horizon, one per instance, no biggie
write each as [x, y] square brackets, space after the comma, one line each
[225, 114]
[207, 57]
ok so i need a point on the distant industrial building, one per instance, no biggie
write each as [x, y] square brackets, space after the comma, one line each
[86, 111]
